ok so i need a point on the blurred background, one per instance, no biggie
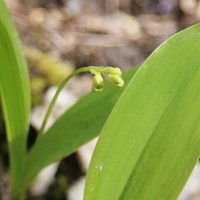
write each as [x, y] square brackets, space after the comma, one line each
[59, 36]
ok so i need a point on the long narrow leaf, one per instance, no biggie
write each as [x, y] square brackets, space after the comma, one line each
[77, 126]
[14, 90]
[150, 143]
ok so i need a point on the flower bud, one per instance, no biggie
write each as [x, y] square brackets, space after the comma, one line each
[96, 89]
[112, 70]
[116, 79]
[97, 82]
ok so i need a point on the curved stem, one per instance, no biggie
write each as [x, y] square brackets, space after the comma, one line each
[60, 87]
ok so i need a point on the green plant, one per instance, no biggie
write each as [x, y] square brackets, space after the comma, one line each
[149, 143]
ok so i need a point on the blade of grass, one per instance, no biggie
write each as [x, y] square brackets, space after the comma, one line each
[150, 142]
[14, 90]
[77, 126]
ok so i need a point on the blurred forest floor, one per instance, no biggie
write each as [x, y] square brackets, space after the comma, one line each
[109, 32]
[80, 33]
[61, 35]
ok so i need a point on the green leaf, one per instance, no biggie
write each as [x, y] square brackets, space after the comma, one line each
[151, 141]
[14, 90]
[77, 126]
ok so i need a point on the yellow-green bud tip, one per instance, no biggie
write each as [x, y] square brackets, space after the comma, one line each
[96, 90]
[117, 80]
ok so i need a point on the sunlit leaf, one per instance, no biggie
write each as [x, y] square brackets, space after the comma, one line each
[15, 94]
[150, 142]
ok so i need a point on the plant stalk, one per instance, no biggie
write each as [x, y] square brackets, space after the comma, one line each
[60, 87]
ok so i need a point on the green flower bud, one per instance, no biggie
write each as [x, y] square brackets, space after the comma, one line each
[96, 90]
[97, 82]
[116, 79]
[112, 70]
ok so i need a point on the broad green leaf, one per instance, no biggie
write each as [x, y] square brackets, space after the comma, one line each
[77, 126]
[150, 142]
[14, 90]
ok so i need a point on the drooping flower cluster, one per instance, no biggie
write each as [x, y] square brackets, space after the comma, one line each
[113, 74]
